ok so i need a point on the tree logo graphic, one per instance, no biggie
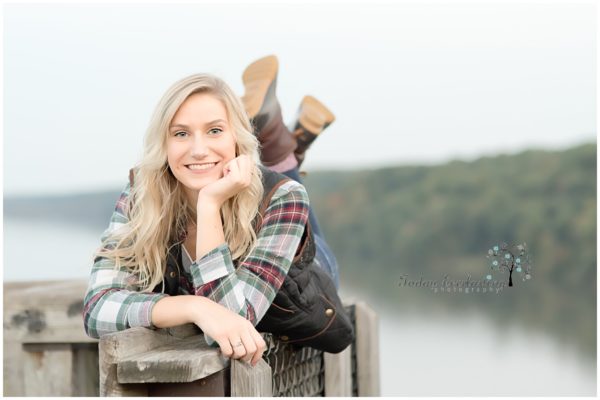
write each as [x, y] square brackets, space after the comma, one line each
[510, 259]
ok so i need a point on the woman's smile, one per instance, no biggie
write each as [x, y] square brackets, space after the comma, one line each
[201, 168]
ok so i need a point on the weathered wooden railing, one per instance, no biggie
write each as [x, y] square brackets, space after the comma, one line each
[46, 350]
[47, 353]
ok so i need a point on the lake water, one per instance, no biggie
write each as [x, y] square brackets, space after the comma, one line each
[41, 251]
[420, 355]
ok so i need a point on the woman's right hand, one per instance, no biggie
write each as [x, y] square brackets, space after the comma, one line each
[237, 176]
[229, 329]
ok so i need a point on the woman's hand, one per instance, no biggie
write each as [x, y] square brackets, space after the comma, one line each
[237, 175]
[229, 329]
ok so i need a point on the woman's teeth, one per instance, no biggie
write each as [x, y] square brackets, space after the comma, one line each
[201, 166]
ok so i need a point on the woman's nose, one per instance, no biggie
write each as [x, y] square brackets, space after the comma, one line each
[199, 146]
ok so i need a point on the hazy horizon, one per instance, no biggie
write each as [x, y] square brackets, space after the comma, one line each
[119, 185]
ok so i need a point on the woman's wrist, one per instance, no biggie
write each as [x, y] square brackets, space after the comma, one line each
[206, 202]
[196, 309]
[178, 310]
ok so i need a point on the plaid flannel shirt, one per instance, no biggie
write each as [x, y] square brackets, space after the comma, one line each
[113, 302]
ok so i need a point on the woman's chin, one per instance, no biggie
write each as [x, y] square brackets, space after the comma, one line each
[199, 183]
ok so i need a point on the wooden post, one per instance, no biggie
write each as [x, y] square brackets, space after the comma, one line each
[60, 369]
[251, 381]
[367, 350]
[111, 349]
[45, 313]
[85, 369]
[115, 347]
[142, 362]
[338, 373]
[48, 370]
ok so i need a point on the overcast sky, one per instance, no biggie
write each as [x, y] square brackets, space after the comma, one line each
[409, 83]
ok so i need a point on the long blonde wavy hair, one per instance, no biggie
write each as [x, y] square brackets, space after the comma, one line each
[157, 207]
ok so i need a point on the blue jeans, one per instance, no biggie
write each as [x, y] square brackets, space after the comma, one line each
[323, 254]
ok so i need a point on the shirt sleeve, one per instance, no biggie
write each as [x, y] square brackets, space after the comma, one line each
[251, 288]
[112, 301]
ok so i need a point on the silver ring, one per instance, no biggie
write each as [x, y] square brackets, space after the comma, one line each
[238, 344]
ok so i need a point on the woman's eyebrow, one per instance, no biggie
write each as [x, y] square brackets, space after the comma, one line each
[205, 125]
[178, 126]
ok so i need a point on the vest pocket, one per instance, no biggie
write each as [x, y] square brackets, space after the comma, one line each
[282, 309]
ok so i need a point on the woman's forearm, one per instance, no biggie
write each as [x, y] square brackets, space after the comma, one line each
[210, 228]
[178, 310]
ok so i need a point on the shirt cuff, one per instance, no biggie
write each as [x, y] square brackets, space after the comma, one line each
[213, 265]
[140, 313]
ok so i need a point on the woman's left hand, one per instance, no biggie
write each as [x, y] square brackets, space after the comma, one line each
[237, 175]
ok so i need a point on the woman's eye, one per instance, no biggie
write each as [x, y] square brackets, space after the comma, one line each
[215, 131]
[180, 134]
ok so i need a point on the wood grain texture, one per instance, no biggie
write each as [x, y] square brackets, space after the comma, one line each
[338, 373]
[45, 312]
[40, 371]
[185, 360]
[116, 346]
[367, 350]
[215, 385]
[251, 381]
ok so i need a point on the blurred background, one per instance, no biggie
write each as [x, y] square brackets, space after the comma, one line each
[459, 127]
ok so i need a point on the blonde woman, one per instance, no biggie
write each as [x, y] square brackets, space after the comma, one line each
[197, 190]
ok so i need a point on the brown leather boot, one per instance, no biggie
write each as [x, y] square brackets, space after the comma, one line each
[262, 106]
[313, 118]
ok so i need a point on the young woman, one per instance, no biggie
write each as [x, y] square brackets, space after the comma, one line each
[198, 186]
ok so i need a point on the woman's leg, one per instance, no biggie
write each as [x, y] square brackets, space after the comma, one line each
[282, 151]
[324, 255]
[293, 173]
[262, 106]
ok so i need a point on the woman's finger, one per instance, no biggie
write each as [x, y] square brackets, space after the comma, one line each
[243, 170]
[249, 345]
[225, 346]
[261, 346]
[239, 348]
[233, 167]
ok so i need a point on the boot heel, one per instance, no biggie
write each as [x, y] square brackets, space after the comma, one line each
[313, 118]
[264, 111]
[314, 115]
[260, 81]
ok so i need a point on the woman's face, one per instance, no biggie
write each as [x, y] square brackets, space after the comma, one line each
[200, 142]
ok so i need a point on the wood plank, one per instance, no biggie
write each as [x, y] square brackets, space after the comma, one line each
[185, 360]
[45, 312]
[13, 368]
[251, 381]
[117, 346]
[338, 373]
[215, 385]
[41, 375]
[85, 369]
[367, 350]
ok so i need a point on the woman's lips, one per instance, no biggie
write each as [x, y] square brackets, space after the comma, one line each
[201, 168]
